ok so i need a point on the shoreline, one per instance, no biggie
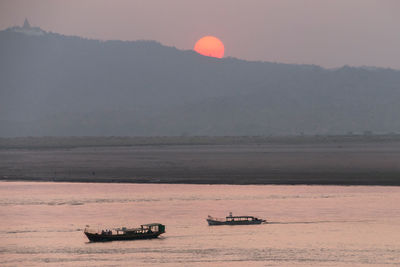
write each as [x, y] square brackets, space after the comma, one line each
[343, 181]
[125, 181]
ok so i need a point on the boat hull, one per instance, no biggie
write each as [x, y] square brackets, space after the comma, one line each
[105, 238]
[215, 222]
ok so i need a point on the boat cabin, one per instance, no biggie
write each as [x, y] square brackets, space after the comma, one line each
[241, 218]
[143, 229]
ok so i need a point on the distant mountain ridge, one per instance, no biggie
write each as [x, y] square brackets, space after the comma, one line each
[55, 85]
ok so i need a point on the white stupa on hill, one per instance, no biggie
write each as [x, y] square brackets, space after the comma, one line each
[27, 29]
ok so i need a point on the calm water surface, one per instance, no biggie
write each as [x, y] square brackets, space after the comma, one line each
[41, 225]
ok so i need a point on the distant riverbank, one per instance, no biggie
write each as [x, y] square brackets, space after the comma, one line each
[50, 142]
[325, 160]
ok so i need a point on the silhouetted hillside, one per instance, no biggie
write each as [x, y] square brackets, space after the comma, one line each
[54, 85]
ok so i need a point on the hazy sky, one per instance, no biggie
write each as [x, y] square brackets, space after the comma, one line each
[330, 33]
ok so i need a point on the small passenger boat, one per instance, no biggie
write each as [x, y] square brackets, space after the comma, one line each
[235, 220]
[145, 231]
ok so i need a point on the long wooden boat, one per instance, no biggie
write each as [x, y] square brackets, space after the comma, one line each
[145, 231]
[235, 220]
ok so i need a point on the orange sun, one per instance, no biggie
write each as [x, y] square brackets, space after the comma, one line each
[210, 46]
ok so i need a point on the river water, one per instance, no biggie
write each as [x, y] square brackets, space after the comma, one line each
[41, 224]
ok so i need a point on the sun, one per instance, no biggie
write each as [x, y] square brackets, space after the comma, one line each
[210, 46]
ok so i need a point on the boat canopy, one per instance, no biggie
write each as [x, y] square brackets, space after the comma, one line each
[151, 224]
[247, 217]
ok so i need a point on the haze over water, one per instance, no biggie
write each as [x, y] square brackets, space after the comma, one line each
[309, 225]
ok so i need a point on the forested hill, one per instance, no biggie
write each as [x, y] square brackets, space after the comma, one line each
[55, 85]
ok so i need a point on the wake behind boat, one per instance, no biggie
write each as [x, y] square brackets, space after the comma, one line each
[145, 231]
[234, 220]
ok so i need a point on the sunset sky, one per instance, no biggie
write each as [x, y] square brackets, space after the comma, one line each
[330, 33]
